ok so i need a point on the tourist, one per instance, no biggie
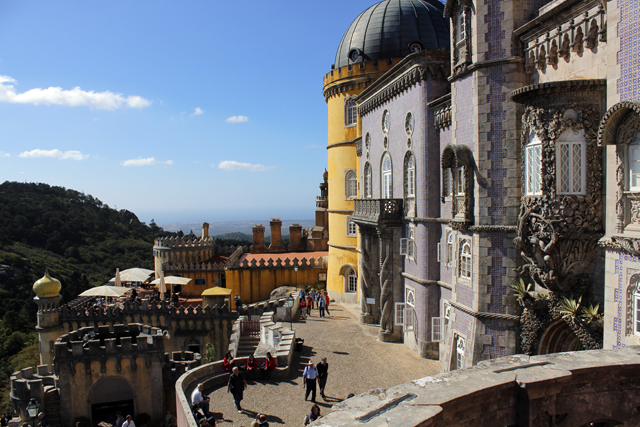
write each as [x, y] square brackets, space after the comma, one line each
[236, 387]
[313, 296]
[238, 302]
[303, 307]
[43, 420]
[3, 421]
[268, 366]
[128, 422]
[260, 421]
[252, 365]
[169, 420]
[198, 398]
[313, 415]
[228, 362]
[309, 305]
[119, 419]
[322, 303]
[323, 373]
[326, 298]
[309, 376]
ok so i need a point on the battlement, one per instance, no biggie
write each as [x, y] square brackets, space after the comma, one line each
[183, 242]
[367, 71]
[169, 268]
[278, 263]
[99, 343]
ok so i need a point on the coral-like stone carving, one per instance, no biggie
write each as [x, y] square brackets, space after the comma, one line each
[592, 37]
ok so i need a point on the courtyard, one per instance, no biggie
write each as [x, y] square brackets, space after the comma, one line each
[357, 362]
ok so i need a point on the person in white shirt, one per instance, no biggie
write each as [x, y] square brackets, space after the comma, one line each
[309, 375]
[198, 398]
[128, 422]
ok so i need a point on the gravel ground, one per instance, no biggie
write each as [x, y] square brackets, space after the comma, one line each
[357, 362]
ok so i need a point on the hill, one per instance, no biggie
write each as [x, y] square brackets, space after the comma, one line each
[80, 240]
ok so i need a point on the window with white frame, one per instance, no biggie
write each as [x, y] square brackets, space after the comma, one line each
[460, 346]
[352, 227]
[351, 184]
[407, 245]
[459, 181]
[352, 281]
[449, 259]
[533, 166]
[409, 311]
[634, 164]
[461, 33]
[386, 180]
[571, 155]
[351, 113]
[438, 327]
[465, 259]
[410, 176]
[636, 313]
[399, 317]
[367, 180]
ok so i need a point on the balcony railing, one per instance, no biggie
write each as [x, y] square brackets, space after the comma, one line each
[378, 212]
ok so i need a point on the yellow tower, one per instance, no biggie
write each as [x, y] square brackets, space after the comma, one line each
[48, 298]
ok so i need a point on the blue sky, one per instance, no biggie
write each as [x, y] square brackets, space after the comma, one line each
[177, 111]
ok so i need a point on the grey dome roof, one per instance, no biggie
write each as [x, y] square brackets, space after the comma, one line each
[388, 29]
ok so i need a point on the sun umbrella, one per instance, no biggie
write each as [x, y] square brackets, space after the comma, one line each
[118, 279]
[172, 280]
[163, 286]
[134, 275]
[104, 291]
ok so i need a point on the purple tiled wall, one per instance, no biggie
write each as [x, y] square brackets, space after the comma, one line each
[629, 55]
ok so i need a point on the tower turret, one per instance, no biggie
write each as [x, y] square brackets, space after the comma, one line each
[48, 297]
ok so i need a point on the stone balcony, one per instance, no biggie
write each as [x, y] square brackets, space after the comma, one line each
[378, 212]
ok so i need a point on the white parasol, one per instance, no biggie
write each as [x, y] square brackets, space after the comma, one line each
[104, 291]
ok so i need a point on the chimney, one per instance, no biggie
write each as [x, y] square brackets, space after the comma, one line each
[276, 236]
[295, 238]
[205, 230]
[258, 240]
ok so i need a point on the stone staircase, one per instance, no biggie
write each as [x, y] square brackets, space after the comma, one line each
[247, 346]
[52, 405]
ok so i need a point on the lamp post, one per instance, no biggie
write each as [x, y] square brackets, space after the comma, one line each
[296, 270]
[33, 408]
[290, 302]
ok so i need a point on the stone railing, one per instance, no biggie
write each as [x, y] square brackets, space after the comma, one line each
[169, 268]
[378, 212]
[174, 242]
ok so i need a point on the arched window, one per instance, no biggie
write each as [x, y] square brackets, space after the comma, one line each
[351, 184]
[449, 259]
[410, 176]
[351, 113]
[386, 181]
[352, 227]
[533, 166]
[367, 181]
[634, 164]
[352, 281]
[411, 245]
[633, 306]
[571, 169]
[465, 260]
[447, 183]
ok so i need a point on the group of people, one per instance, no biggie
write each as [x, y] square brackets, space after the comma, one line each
[314, 299]
[315, 374]
[251, 368]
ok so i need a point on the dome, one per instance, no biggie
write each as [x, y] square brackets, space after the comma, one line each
[394, 29]
[47, 287]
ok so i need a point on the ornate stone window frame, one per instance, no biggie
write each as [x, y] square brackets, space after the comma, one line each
[572, 143]
[460, 12]
[533, 166]
[620, 126]
[457, 159]
[632, 318]
[350, 112]
[450, 248]
[352, 227]
[386, 177]
[351, 281]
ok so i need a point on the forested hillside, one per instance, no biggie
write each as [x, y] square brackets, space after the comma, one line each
[80, 240]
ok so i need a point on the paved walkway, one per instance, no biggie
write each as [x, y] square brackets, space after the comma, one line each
[357, 362]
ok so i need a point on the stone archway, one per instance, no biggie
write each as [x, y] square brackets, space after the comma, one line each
[108, 396]
[559, 337]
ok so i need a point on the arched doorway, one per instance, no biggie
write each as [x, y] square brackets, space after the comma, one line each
[559, 338]
[108, 396]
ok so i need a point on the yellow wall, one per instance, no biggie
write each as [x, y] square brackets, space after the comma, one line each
[191, 290]
[256, 284]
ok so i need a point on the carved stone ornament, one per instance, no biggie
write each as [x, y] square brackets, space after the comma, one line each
[558, 234]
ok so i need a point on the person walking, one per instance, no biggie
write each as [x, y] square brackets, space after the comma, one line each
[326, 298]
[119, 419]
[128, 422]
[309, 304]
[323, 374]
[236, 387]
[322, 303]
[309, 375]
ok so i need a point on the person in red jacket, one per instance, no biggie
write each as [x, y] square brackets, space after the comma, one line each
[326, 297]
[228, 362]
[268, 366]
[252, 366]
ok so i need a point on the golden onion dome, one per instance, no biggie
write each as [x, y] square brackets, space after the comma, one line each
[47, 287]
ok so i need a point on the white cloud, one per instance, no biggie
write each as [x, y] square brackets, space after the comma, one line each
[3, 154]
[237, 119]
[232, 165]
[75, 97]
[197, 111]
[53, 154]
[149, 161]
